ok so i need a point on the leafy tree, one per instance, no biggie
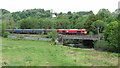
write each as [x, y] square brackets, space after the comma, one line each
[80, 21]
[84, 12]
[111, 35]
[90, 19]
[116, 13]
[62, 24]
[4, 33]
[98, 26]
[3, 27]
[29, 23]
[104, 15]
[79, 25]
[48, 23]
[10, 23]
[4, 11]
[69, 13]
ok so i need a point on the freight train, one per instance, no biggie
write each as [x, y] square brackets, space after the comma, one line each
[40, 31]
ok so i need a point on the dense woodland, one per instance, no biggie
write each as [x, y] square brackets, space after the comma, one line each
[104, 21]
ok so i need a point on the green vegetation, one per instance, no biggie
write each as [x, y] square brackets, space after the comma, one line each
[98, 26]
[29, 23]
[91, 33]
[40, 53]
[53, 35]
[4, 33]
[103, 22]
[101, 45]
[111, 35]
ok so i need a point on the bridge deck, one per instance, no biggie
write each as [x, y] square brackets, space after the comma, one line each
[85, 37]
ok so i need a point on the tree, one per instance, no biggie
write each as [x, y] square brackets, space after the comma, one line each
[48, 24]
[90, 19]
[111, 35]
[62, 24]
[10, 23]
[29, 23]
[4, 11]
[84, 12]
[3, 27]
[98, 26]
[80, 22]
[4, 33]
[69, 13]
[104, 15]
[116, 13]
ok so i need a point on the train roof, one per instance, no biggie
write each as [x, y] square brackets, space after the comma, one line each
[71, 29]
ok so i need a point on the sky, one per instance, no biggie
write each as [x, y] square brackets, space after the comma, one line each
[60, 5]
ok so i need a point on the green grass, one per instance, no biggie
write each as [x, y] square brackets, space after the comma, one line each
[41, 53]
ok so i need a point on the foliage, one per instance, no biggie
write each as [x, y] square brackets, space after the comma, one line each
[90, 19]
[101, 45]
[91, 33]
[10, 23]
[116, 13]
[111, 35]
[4, 11]
[98, 26]
[3, 27]
[104, 14]
[43, 35]
[53, 35]
[5, 34]
[42, 19]
[118, 20]
[84, 12]
[29, 23]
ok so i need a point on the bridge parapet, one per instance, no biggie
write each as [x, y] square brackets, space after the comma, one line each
[84, 37]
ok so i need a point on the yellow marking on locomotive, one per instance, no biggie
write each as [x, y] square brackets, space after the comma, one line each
[85, 32]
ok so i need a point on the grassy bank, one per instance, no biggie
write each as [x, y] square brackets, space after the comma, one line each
[40, 53]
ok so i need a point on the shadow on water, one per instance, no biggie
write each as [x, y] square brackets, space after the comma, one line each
[84, 44]
[80, 46]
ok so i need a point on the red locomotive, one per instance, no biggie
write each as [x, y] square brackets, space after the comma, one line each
[72, 31]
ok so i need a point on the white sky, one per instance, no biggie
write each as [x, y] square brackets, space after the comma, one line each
[60, 5]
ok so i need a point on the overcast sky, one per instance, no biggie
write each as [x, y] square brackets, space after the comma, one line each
[60, 5]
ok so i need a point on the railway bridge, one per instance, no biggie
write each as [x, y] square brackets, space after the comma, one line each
[81, 37]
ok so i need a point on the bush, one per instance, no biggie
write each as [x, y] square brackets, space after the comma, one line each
[53, 35]
[5, 34]
[42, 35]
[91, 33]
[101, 45]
